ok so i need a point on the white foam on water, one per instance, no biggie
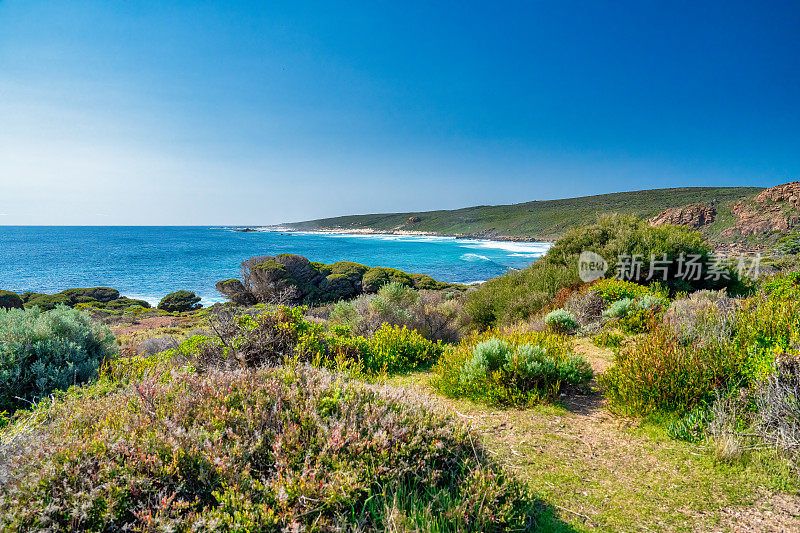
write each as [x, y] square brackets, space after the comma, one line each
[509, 246]
[474, 257]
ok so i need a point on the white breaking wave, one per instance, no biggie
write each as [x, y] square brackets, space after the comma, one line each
[531, 248]
[474, 257]
[515, 247]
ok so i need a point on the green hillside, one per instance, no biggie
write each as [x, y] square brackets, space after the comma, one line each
[539, 219]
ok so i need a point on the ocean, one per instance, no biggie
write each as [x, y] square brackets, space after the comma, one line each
[149, 262]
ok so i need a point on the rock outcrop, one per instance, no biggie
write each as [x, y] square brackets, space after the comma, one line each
[774, 210]
[693, 215]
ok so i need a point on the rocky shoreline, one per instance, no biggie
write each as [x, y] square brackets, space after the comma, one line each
[480, 236]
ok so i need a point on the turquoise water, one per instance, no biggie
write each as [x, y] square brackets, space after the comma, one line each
[149, 262]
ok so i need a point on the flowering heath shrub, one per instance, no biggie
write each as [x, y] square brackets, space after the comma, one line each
[255, 450]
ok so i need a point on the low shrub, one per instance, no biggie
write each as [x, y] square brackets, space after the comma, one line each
[377, 277]
[180, 301]
[639, 320]
[586, 306]
[784, 286]
[436, 315]
[777, 400]
[766, 325]
[396, 349]
[41, 352]
[656, 373]
[652, 303]
[282, 334]
[266, 450]
[293, 279]
[561, 321]
[518, 369]
[619, 308]
[154, 345]
[611, 289]
[520, 294]
[690, 427]
[98, 297]
[704, 317]
[707, 345]
[10, 300]
[608, 339]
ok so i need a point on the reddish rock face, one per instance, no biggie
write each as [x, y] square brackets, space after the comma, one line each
[692, 215]
[775, 209]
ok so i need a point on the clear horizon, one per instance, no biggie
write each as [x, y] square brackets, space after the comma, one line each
[236, 113]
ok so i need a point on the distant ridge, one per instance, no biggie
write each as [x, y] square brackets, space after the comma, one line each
[539, 220]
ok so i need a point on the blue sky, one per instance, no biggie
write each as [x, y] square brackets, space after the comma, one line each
[255, 113]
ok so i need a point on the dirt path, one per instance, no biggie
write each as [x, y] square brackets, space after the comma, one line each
[609, 473]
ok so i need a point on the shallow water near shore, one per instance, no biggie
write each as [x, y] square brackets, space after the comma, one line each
[149, 262]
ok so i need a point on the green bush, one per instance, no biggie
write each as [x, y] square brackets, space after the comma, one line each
[788, 244]
[690, 427]
[125, 303]
[519, 294]
[612, 289]
[279, 335]
[81, 298]
[435, 315]
[377, 277]
[638, 320]
[608, 339]
[91, 294]
[561, 321]
[41, 352]
[651, 302]
[659, 374]
[180, 301]
[619, 309]
[10, 300]
[784, 286]
[487, 357]
[46, 302]
[518, 369]
[264, 450]
[396, 349]
[293, 279]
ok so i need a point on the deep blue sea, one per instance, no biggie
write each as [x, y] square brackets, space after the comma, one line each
[149, 262]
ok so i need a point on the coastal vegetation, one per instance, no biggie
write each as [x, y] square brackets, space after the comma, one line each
[542, 220]
[41, 352]
[293, 279]
[335, 397]
[180, 301]
[518, 295]
[95, 297]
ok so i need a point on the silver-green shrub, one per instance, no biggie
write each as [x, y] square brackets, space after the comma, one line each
[487, 356]
[561, 321]
[41, 352]
[619, 309]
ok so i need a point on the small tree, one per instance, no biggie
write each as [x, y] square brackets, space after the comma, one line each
[180, 301]
[10, 300]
